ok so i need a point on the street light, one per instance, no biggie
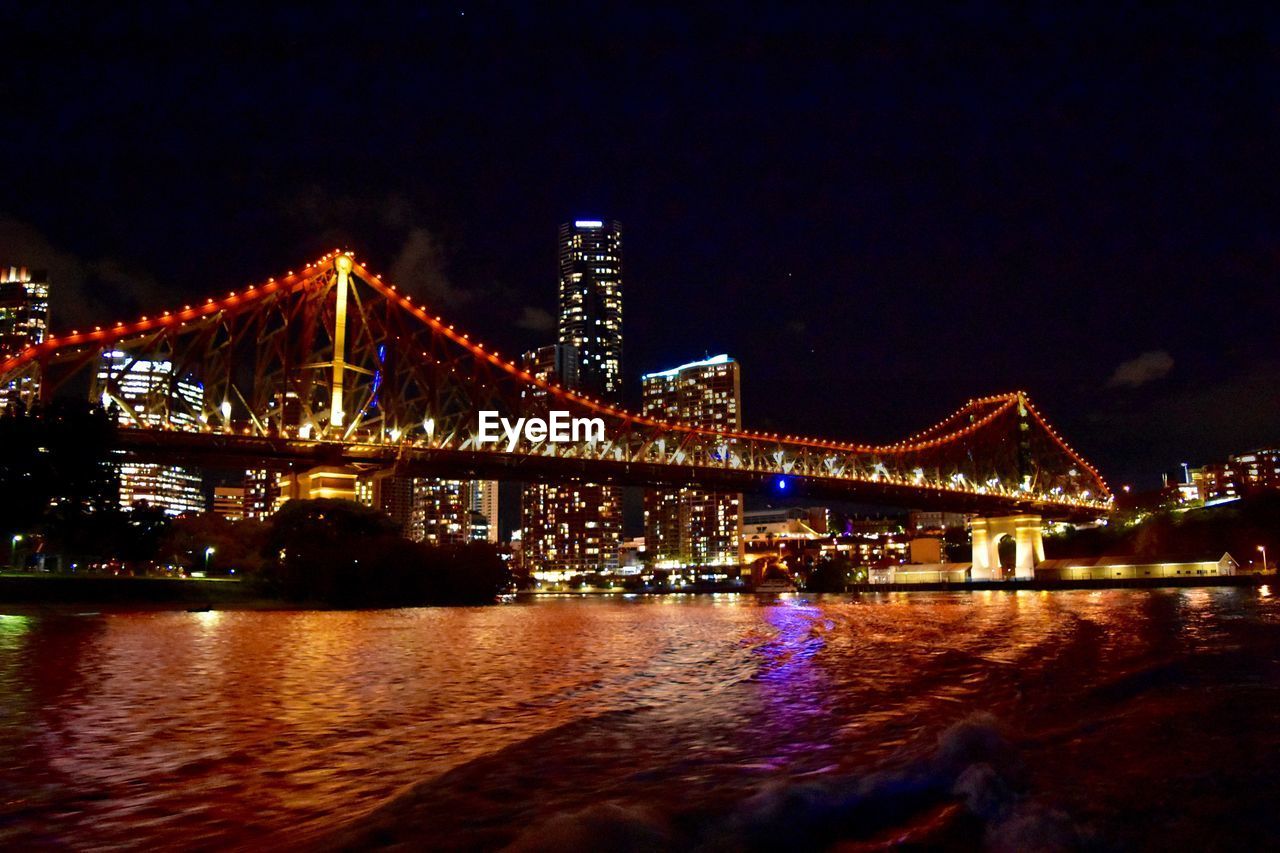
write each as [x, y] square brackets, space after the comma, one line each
[13, 549]
[207, 553]
[1263, 549]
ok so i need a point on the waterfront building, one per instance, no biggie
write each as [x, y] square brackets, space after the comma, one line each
[576, 526]
[265, 491]
[631, 556]
[228, 502]
[482, 498]
[1114, 568]
[24, 322]
[690, 526]
[151, 394]
[440, 514]
[393, 495]
[570, 528]
[1128, 568]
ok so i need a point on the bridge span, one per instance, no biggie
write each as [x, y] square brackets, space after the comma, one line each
[332, 366]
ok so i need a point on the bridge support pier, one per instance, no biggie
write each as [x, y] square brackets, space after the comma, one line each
[987, 534]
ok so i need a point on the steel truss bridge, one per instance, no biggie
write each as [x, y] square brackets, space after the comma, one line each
[330, 365]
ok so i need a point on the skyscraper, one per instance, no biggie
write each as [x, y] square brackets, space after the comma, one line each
[148, 393]
[483, 495]
[571, 527]
[692, 527]
[24, 322]
[591, 303]
[440, 514]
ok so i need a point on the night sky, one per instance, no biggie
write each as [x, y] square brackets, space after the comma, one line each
[879, 213]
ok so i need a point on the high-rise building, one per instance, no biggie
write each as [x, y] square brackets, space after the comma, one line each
[265, 491]
[24, 322]
[483, 498]
[576, 527]
[688, 526]
[440, 513]
[591, 303]
[571, 527]
[554, 363]
[393, 495]
[149, 393]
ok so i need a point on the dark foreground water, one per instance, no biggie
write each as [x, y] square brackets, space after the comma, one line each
[1029, 720]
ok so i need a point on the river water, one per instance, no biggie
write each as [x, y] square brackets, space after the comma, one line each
[1119, 719]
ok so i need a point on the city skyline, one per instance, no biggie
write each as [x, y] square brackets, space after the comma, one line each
[1100, 239]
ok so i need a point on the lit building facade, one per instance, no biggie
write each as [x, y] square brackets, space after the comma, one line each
[24, 322]
[228, 502]
[265, 491]
[571, 527]
[440, 515]
[149, 393]
[590, 255]
[1242, 474]
[576, 527]
[1259, 470]
[483, 500]
[687, 526]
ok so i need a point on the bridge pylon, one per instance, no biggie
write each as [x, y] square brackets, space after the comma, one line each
[987, 533]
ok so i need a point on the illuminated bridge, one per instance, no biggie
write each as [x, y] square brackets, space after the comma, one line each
[332, 366]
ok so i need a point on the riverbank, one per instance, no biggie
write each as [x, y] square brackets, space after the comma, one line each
[1250, 580]
[1101, 583]
[161, 593]
[43, 590]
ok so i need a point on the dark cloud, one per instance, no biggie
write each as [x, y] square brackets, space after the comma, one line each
[536, 319]
[1147, 367]
[420, 269]
[83, 291]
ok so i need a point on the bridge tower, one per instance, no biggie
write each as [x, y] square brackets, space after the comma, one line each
[987, 534]
[343, 264]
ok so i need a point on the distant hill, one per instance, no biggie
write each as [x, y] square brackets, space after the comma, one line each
[1239, 527]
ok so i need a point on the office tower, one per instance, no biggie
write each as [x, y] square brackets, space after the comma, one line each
[24, 322]
[148, 393]
[483, 499]
[687, 526]
[591, 303]
[569, 527]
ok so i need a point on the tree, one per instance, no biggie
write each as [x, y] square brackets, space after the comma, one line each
[830, 574]
[57, 478]
[341, 553]
[237, 545]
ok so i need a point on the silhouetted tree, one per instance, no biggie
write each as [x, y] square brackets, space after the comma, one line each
[345, 554]
[831, 574]
[57, 478]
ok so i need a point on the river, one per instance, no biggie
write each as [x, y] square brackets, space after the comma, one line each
[1117, 719]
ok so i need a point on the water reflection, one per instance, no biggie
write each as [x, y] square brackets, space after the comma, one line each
[240, 728]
